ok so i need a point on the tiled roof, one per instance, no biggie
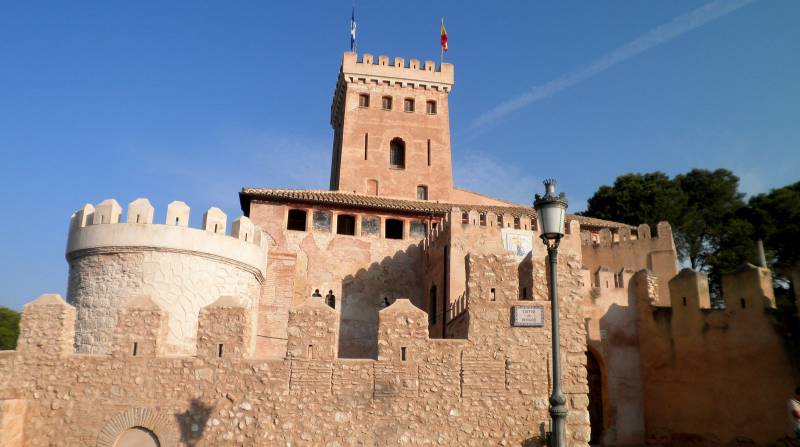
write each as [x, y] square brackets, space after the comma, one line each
[380, 203]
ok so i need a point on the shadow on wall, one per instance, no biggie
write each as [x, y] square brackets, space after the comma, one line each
[192, 422]
[368, 291]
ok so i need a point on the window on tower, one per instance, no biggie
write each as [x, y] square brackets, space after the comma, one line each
[431, 107]
[386, 103]
[422, 192]
[408, 105]
[397, 154]
[363, 100]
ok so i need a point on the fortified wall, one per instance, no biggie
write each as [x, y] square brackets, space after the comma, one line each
[182, 268]
[713, 375]
[490, 388]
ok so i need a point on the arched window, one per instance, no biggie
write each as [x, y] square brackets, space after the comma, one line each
[297, 220]
[422, 192]
[397, 153]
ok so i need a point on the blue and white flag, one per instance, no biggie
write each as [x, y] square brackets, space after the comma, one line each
[353, 30]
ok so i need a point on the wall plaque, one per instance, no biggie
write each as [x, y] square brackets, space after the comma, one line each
[529, 315]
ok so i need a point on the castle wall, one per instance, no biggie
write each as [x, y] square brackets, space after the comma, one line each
[418, 391]
[182, 268]
[622, 250]
[717, 375]
[359, 270]
[609, 307]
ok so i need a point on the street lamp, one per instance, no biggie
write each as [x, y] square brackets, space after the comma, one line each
[551, 211]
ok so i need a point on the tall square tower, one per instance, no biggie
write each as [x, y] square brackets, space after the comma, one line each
[391, 127]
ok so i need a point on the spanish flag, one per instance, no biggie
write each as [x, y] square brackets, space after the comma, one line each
[443, 36]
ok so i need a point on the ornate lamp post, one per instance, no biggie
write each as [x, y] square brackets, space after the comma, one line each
[551, 210]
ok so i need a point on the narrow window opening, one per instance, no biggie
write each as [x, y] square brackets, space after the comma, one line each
[346, 224]
[524, 293]
[135, 348]
[431, 107]
[684, 301]
[482, 218]
[102, 219]
[310, 352]
[219, 350]
[403, 354]
[500, 221]
[429, 152]
[744, 303]
[606, 284]
[397, 153]
[176, 221]
[494, 294]
[394, 229]
[366, 145]
[422, 192]
[245, 237]
[297, 220]
[137, 218]
[215, 228]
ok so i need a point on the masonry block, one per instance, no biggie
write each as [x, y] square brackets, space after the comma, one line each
[402, 332]
[244, 229]
[214, 221]
[312, 331]
[177, 214]
[140, 211]
[82, 217]
[47, 327]
[141, 328]
[224, 330]
[748, 288]
[689, 289]
[107, 212]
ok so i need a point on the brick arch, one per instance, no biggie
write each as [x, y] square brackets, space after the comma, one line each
[160, 424]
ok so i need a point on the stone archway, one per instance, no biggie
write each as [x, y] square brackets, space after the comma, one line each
[137, 437]
[594, 377]
[143, 425]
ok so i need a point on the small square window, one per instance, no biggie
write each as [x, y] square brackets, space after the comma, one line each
[408, 105]
[430, 107]
[386, 103]
[422, 192]
[363, 100]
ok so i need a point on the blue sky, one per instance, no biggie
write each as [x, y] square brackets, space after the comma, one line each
[193, 100]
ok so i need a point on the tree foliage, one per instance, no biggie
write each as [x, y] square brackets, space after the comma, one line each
[776, 218]
[9, 328]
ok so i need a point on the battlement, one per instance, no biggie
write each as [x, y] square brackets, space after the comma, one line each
[397, 72]
[624, 238]
[97, 228]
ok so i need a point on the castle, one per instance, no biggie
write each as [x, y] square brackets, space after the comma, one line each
[382, 312]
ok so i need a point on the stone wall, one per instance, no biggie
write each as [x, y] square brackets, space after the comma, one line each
[360, 271]
[419, 391]
[713, 375]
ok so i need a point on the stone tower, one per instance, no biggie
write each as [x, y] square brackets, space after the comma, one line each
[391, 127]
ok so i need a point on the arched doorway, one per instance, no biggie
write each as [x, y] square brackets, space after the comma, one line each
[137, 437]
[594, 376]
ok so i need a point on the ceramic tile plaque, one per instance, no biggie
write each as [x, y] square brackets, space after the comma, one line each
[528, 315]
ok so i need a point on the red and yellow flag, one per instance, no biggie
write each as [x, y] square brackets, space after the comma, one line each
[443, 36]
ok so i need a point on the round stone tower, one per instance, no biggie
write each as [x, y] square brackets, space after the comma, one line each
[182, 269]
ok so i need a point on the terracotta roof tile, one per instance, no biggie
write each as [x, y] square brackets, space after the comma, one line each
[381, 203]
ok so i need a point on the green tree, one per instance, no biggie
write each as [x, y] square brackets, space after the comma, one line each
[776, 218]
[705, 208]
[9, 328]
[638, 198]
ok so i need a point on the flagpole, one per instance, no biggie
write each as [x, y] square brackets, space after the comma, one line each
[441, 49]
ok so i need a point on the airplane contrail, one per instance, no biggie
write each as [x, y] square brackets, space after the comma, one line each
[657, 36]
